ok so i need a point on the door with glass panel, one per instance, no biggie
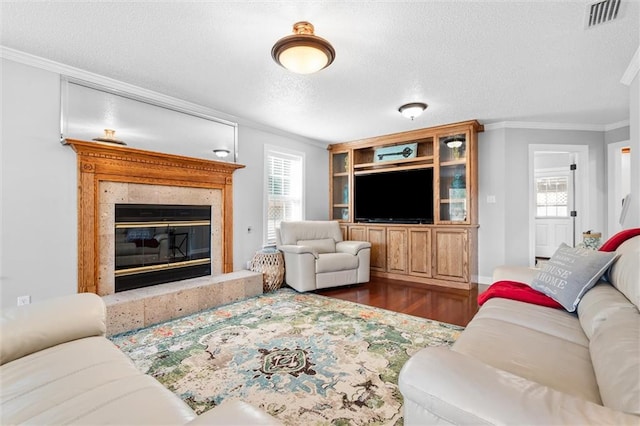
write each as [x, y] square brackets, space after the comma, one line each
[554, 198]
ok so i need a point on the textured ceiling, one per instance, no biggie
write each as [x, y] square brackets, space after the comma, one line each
[491, 61]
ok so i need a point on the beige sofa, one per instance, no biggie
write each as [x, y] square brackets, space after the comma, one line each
[58, 368]
[315, 256]
[518, 363]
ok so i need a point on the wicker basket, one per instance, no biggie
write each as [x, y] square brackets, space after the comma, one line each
[272, 267]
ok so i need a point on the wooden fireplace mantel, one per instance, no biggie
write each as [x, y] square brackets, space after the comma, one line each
[115, 163]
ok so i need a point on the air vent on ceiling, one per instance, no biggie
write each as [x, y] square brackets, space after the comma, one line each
[602, 11]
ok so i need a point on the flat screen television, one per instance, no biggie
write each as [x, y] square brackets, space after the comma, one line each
[404, 196]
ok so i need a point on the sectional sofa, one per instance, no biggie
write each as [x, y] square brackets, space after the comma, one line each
[57, 367]
[522, 363]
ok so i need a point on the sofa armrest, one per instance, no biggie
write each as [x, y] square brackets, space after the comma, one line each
[294, 249]
[352, 247]
[32, 328]
[234, 412]
[439, 383]
[521, 274]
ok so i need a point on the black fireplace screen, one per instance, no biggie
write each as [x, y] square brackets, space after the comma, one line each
[156, 244]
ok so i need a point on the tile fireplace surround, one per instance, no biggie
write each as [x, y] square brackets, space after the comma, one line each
[112, 174]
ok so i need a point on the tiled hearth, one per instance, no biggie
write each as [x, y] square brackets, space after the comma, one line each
[132, 309]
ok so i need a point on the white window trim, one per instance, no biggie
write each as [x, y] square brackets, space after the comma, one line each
[268, 149]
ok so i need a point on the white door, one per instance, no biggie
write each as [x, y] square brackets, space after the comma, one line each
[554, 203]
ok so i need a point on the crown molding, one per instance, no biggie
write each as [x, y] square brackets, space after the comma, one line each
[533, 125]
[90, 79]
[632, 70]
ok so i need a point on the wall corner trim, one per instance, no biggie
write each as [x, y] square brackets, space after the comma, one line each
[632, 70]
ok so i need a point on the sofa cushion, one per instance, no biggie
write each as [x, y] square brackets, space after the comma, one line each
[598, 304]
[540, 344]
[570, 273]
[325, 245]
[86, 381]
[615, 351]
[625, 273]
[332, 262]
[76, 316]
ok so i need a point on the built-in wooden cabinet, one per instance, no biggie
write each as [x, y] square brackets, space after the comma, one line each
[443, 252]
[420, 252]
[397, 250]
[340, 187]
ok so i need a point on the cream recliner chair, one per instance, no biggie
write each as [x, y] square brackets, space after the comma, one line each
[315, 256]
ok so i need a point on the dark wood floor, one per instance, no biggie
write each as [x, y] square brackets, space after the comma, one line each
[438, 303]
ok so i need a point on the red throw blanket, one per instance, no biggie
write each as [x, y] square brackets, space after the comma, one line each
[517, 291]
[622, 236]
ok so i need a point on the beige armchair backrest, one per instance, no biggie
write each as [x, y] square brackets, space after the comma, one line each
[292, 232]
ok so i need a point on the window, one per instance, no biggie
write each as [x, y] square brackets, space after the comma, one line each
[552, 196]
[284, 189]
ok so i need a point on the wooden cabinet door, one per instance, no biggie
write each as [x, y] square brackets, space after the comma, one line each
[397, 250]
[377, 237]
[450, 254]
[357, 233]
[344, 230]
[420, 252]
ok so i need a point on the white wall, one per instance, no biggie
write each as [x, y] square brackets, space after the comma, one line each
[632, 219]
[39, 199]
[503, 236]
[39, 204]
[249, 182]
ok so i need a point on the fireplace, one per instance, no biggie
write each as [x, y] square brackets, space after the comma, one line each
[160, 243]
[109, 175]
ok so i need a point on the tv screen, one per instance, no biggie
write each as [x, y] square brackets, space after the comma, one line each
[404, 196]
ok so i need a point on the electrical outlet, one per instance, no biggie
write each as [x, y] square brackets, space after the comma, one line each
[24, 300]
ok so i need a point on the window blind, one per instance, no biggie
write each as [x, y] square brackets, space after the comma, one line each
[284, 191]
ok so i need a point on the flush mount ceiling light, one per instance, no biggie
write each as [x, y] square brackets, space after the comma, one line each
[413, 109]
[221, 153]
[109, 137]
[303, 52]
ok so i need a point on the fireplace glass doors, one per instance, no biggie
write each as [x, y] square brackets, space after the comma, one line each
[156, 244]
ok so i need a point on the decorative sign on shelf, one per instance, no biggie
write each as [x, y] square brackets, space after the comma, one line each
[396, 152]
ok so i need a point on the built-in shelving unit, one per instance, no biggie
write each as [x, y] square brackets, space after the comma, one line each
[441, 253]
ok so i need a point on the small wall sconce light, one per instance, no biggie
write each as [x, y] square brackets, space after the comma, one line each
[109, 137]
[413, 109]
[221, 153]
[303, 52]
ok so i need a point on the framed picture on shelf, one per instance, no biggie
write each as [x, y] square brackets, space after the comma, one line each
[396, 152]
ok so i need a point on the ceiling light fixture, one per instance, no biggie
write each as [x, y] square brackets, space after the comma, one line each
[303, 52]
[221, 153]
[413, 109]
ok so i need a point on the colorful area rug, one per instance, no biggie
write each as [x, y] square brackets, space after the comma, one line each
[303, 358]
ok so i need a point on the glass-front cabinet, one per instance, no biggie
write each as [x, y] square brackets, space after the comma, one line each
[340, 185]
[453, 184]
[424, 227]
